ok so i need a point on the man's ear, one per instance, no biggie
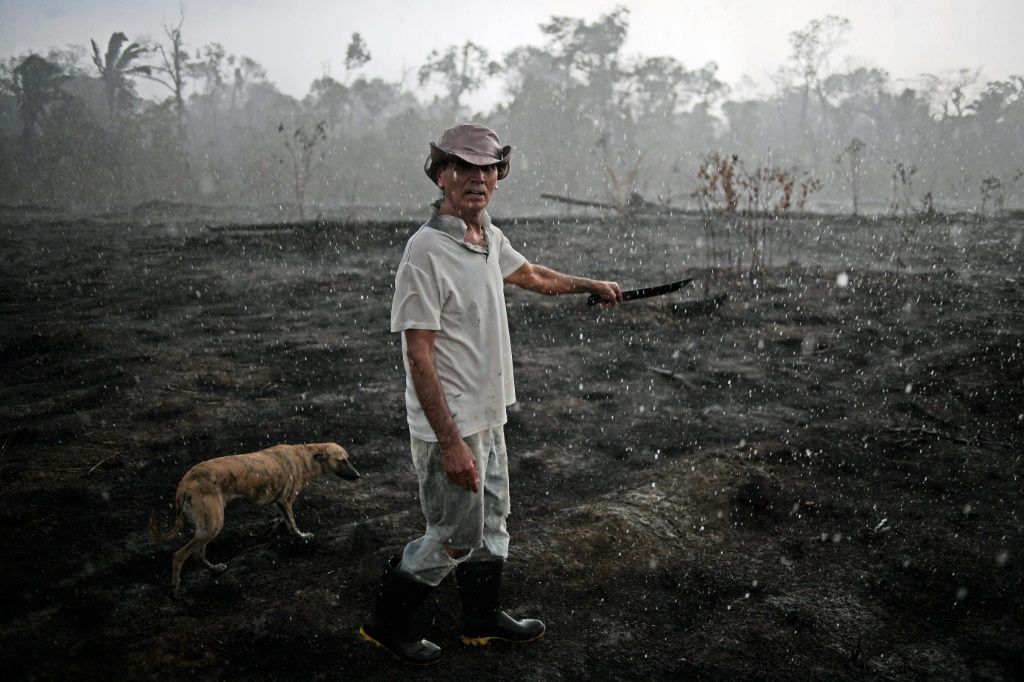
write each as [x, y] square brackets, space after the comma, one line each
[442, 174]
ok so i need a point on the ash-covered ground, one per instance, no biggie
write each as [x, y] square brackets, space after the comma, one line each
[816, 475]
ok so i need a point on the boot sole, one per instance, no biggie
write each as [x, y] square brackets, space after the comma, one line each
[369, 638]
[484, 641]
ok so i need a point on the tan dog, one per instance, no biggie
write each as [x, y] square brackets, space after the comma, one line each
[273, 476]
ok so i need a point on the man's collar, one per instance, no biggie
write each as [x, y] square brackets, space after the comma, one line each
[455, 228]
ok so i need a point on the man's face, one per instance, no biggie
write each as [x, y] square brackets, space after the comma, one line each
[467, 188]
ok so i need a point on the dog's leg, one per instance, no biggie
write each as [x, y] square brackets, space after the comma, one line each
[286, 511]
[179, 558]
[207, 516]
[216, 568]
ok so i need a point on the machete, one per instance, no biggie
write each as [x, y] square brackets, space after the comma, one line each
[646, 292]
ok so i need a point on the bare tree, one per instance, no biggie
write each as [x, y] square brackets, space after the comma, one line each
[902, 186]
[301, 145]
[854, 154]
[174, 68]
[900, 204]
[812, 50]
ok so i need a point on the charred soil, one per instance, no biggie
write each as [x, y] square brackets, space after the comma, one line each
[812, 474]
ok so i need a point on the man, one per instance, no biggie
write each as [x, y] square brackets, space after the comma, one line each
[450, 307]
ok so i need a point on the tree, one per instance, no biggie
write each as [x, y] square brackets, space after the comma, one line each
[812, 51]
[859, 92]
[596, 86]
[174, 67]
[209, 67]
[902, 188]
[669, 103]
[248, 72]
[462, 70]
[301, 145]
[116, 69]
[854, 153]
[356, 56]
[330, 100]
[995, 188]
[36, 84]
[661, 87]
[951, 89]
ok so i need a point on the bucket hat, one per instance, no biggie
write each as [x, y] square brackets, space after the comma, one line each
[474, 144]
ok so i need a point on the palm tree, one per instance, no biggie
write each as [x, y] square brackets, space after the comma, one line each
[116, 68]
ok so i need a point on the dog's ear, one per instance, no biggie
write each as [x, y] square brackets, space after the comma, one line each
[321, 457]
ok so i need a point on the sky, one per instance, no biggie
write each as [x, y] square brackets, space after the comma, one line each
[300, 40]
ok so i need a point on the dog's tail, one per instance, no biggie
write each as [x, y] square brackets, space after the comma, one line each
[154, 526]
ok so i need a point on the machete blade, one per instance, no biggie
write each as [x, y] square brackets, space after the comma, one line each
[646, 292]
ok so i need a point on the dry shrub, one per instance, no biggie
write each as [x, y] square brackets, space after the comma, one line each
[753, 202]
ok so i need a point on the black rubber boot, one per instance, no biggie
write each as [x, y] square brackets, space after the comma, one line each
[388, 625]
[482, 617]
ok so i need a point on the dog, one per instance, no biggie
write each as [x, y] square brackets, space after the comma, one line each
[275, 476]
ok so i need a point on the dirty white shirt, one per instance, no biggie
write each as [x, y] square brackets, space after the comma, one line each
[456, 288]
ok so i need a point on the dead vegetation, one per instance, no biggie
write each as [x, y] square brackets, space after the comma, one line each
[748, 210]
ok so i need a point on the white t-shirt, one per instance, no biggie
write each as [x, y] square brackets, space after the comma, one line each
[457, 289]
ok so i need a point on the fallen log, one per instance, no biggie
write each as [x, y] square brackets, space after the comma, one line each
[636, 204]
[578, 202]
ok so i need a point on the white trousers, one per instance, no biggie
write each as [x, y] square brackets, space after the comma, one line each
[471, 525]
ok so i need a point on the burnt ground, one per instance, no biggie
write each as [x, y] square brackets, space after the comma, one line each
[780, 479]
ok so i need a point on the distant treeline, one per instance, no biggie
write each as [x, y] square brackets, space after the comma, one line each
[587, 121]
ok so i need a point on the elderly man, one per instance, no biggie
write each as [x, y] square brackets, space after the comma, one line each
[450, 307]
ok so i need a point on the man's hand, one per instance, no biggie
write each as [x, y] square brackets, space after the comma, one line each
[608, 291]
[460, 465]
